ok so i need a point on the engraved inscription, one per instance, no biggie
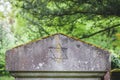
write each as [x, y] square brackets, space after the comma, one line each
[58, 53]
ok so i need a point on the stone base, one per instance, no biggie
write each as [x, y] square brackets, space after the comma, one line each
[58, 79]
[58, 75]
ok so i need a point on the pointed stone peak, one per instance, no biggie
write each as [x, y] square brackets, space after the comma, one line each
[57, 52]
[59, 36]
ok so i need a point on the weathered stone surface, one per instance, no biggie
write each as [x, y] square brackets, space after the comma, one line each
[57, 57]
[57, 53]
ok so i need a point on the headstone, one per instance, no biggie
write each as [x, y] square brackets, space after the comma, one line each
[57, 57]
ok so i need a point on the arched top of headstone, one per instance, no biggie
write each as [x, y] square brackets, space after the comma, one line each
[57, 53]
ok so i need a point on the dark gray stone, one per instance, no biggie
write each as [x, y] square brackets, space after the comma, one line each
[115, 74]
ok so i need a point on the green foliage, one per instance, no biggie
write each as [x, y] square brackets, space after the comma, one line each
[95, 21]
[2, 52]
[115, 61]
[6, 78]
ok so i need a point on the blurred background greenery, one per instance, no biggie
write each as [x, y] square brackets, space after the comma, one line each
[94, 21]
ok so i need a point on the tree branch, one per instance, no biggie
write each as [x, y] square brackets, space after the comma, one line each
[39, 26]
[71, 12]
[85, 12]
[106, 29]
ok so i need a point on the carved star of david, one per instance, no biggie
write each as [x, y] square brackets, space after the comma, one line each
[57, 53]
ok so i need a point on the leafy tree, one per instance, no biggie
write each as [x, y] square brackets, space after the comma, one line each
[3, 44]
[70, 16]
[6, 37]
[95, 21]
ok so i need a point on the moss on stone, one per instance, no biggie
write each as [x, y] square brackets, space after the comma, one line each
[115, 70]
[77, 39]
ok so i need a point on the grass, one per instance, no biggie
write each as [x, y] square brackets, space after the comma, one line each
[6, 78]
